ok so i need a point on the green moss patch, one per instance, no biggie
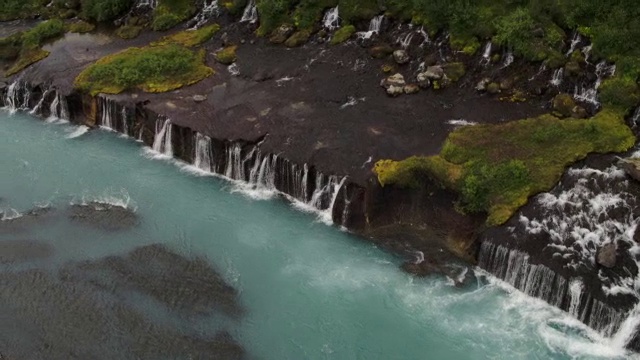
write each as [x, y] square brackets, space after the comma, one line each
[227, 55]
[343, 34]
[190, 38]
[27, 57]
[30, 43]
[128, 32]
[151, 69]
[496, 168]
[80, 27]
[170, 13]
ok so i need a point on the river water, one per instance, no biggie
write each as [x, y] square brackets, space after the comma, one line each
[73, 287]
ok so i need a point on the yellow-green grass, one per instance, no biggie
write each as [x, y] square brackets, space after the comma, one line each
[496, 168]
[151, 69]
[27, 57]
[190, 38]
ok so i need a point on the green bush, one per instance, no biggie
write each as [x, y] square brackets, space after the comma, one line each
[45, 30]
[343, 34]
[483, 182]
[170, 13]
[620, 92]
[165, 22]
[273, 13]
[105, 10]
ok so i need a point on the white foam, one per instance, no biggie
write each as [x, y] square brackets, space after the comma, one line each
[10, 214]
[79, 131]
[461, 122]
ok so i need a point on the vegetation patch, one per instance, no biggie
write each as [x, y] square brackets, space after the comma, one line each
[20, 9]
[27, 57]
[170, 13]
[496, 168]
[227, 55]
[190, 38]
[343, 34]
[80, 27]
[151, 69]
[128, 31]
[105, 10]
[29, 44]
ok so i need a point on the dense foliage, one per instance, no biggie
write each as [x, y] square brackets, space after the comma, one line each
[105, 10]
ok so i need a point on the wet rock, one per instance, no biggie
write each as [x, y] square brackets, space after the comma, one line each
[579, 112]
[454, 71]
[281, 34]
[632, 167]
[19, 251]
[435, 72]
[563, 105]
[430, 60]
[401, 56]
[411, 89]
[572, 68]
[394, 84]
[25, 221]
[483, 84]
[380, 51]
[506, 84]
[104, 216]
[606, 256]
[199, 98]
[423, 80]
[493, 88]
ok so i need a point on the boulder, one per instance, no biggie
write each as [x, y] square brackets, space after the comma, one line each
[493, 88]
[411, 89]
[435, 72]
[454, 71]
[482, 84]
[281, 34]
[563, 104]
[430, 60]
[506, 84]
[401, 56]
[297, 39]
[572, 68]
[631, 166]
[579, 112]
[423, 80]
[394, 90]
[606, 255]
[380, 51]
[199, 98]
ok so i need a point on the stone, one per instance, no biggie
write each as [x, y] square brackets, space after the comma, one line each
[632, 167]
[394, 90]
[454, 71]
[579, 112]
[430, 60]
[411, 89]
[297, 39]
[493, 88]
[281, 34]
[506, 84]
[572, 68]
[401, 56]
[199, 98]
[393, 80]
[435, 72]
[606, 255]
[423, 80]
[380, 51]
[482, 84]
[563, 104]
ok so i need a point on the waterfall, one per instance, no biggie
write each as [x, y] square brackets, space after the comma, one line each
[36, 110]
[374, 28]
[575, 40]
[17, 97]
[235, 166]
[331, 20]
[162, 141]
[152, 4]
[202, 157]
[587, 51]
[58, 109]
[209, 9]
[486, 55]
[105, 107]
[558, 76]
[425, 37]
[508, 59]
[636, 117]
[250, 13]
[542, 69]
[590, 95]
[575, 292]
[405, 41]
[125, 124]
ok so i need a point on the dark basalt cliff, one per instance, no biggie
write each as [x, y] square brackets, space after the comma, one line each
[310, 122]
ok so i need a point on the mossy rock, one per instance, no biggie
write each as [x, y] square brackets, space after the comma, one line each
[227, 56]
[468, 45]
[388, 68]
[493, 88]
[80, 27]
[165, 22]
[454, 71]
[281, 34]
[299, 38]
[572, 68]
[343, 34]
[190, 38]
[380, 51]
[555, 60]
[563, 104]
[128, 32]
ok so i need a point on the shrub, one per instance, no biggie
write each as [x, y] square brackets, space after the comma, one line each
[165, 22]
[45, 30]
[80, 27]
[343, 34]
[227, 55]
[128, 31]
[105, 10]
[620, 92]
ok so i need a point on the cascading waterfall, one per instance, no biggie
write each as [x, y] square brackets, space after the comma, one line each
[331, 20]
[125, 123]
[209, 9]
[425, 37]
[587, 52]
[558, 76]
[590, 94]
[106, 107]
[374, 28]
[36, 109]
[486, 55]
[17, 97]
[636, 117]
[162, 142]
[405, 41]
[543, 68]
[152, 4]
[58, 109]
[203, 158]
[575, 40]
[250, 13]
[508, 59]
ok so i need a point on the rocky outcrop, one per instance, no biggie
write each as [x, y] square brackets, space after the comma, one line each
[606, 256]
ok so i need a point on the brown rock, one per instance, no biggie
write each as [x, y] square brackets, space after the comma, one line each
[632, 167]
[281, 34]
[579, 112]
[380, 51]
[411, 89]
[606, 255]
